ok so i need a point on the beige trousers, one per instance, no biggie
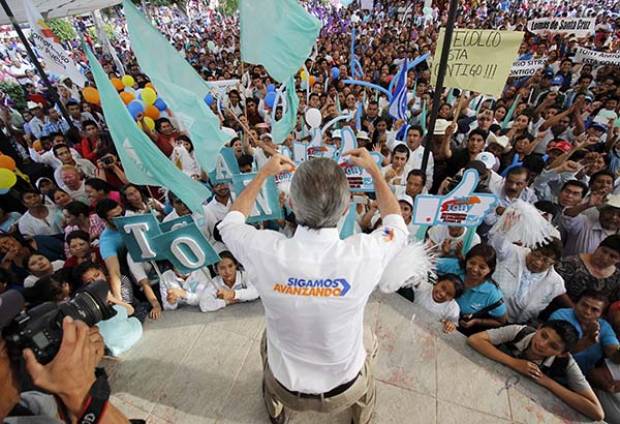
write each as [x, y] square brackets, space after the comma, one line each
[360, 397]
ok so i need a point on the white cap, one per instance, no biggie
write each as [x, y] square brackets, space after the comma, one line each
[502, 140]
[613, 200]
[487, 158]
[33, 105]
[362, 135]
[336, 134]
[406, 198]
[266, 135]
[440, 126]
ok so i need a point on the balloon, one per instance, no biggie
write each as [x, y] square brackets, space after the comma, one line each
[7, 178]
[311, 80]
[91, 95]
[127, 97]
[270, 98]
[151, 111]
[131, 90]
[210, 45]
[150, 124]
[209, 99]
[271, 87]
[139, 93]
[117, 83]
[335, 73]
[4, 190]
[303, 75]
[37, 146]
[160, 104]
[149, 85]
[7, 162]
[135, 107]
[313, 117]
[148, 96]
[128, 80]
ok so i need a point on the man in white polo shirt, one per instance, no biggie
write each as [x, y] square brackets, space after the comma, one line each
[314, 287]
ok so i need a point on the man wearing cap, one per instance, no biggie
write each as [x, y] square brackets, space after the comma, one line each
[314, 287]
[39, 120]
[589, 223]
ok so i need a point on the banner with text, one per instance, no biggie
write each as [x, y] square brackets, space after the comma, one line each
[581, 27]
[479, 60]
[526, 68]
[592, 57]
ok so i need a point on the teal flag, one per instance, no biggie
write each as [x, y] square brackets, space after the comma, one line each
[278, 34]
[282, 128]
[511, 112]
[178, 84]
[348, 227]
[423, 117]
[142, 160]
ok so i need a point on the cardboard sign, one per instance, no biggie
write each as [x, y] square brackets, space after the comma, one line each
[359, 179]
[225, 167]
[267, 205]
[479, 60]
[526, 68]
[581, 27]
[583, 55]
[179, 241]
[461, 207]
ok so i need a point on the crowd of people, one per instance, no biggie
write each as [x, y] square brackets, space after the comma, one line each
[526, 307]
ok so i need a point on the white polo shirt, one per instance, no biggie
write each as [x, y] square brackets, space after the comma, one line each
[314, 288]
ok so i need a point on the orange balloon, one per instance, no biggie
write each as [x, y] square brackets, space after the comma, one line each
[150, 85]
[7, 162]
[118, 84]
[37, 146]
[152, 112]
[311, 80]
[127, 97]
[91, 95]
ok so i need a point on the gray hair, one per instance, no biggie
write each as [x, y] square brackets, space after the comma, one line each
[319, 193]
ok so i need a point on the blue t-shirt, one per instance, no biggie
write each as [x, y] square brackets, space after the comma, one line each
[110, 243]
[587, 359]
[476, 298]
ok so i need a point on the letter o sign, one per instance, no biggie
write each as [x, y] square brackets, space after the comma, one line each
[176, 247]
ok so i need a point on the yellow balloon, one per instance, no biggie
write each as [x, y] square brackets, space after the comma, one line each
[128, 80]
[7, 178]
[150, 124]
[303, 75]
[148, 96]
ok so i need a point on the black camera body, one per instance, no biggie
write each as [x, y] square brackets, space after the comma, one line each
[40, 328]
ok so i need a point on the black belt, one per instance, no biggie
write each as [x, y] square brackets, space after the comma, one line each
[333, 392]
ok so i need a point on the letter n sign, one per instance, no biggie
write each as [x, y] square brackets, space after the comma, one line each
[267, 206]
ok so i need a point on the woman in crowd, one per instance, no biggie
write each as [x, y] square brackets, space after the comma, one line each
[481, 304]
[81, 250]
[97, 189]
[137, 202]
[39, 266]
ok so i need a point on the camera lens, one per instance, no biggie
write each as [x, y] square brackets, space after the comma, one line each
[90, 305]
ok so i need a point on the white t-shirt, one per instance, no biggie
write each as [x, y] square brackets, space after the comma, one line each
[314, 288]
[442, 311]
[48, 226]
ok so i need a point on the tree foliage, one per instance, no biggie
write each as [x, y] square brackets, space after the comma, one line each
[63, 29]
[15, 92]
[229, 7]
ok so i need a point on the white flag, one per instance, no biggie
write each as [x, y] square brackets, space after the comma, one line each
[104, 41]
[56, 59]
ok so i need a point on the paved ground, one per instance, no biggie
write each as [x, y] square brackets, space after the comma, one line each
[191, 367]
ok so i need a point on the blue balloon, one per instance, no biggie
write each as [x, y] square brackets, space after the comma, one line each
[335, 73]
[558, 80]
[160, 104]
[139, 93]
[135, 107]
[271, 88]
[4, 190]
[209, 99]
[270, 98]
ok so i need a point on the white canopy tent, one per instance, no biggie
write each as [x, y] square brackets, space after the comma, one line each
[54, 8]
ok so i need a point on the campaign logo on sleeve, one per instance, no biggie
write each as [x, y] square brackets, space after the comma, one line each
[321, 287]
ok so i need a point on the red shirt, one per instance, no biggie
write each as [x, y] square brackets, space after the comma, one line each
[164, 143]
[87, 149]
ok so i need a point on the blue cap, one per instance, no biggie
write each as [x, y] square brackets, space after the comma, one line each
[558, 80]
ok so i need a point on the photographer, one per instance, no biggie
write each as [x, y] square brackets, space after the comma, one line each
[73, 391]
[109, 169]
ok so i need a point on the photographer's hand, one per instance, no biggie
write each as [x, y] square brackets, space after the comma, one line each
[72, 371]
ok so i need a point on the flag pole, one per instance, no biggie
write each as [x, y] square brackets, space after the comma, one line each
[441, 73]
[51, 89]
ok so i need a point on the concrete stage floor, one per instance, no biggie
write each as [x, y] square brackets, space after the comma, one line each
[193, 367]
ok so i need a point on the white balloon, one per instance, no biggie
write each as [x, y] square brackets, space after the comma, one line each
[313, 117]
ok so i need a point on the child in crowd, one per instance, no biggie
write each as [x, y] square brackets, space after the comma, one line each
[542, 354]
[439, 299]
